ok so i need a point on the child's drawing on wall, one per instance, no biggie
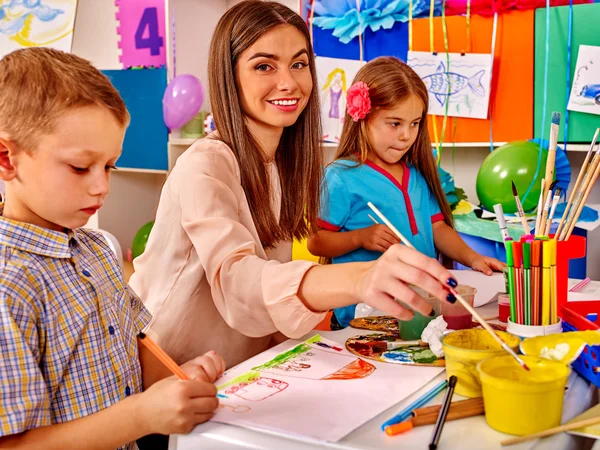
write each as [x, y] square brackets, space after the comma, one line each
[334, 75]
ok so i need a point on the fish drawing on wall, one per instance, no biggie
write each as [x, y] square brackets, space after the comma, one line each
[458, 84]
[443, 84]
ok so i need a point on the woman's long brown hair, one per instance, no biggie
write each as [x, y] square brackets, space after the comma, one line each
[391, 82]
[298, 156]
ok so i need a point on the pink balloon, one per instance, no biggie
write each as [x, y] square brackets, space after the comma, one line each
[182, 100]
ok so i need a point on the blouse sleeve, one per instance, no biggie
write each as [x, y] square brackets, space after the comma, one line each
[254, 295]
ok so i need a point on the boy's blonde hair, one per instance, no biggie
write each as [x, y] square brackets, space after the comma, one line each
[39, 84]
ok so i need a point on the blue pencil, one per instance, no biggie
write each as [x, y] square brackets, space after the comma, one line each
[406, 412]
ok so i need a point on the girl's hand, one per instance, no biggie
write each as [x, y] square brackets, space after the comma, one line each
[487, 264]
[377, 237]
[388, 278]
[208, 367]
[173, 406]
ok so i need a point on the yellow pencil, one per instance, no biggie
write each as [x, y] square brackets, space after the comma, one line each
[553, 280]
[546, 259]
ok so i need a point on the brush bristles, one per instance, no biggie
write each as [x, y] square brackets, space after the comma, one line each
[514, 189]
[555, 118]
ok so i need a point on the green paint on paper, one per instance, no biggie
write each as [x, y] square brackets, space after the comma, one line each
[290, 354]
[247, 377]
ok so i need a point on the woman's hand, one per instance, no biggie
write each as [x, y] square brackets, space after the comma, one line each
[389, 278]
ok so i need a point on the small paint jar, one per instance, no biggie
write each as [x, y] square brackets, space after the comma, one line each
[503, 307]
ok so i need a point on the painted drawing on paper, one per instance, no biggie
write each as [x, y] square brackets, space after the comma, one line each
[278, 390]
[335, 77]
[585, 93]
[459, 83]
[36, 23]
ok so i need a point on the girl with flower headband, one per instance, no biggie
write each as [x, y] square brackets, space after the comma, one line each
[385, 157]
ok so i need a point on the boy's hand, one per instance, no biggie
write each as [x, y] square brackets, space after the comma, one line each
[208, 367]
[173, 406]
[377, 237]
[487, 264]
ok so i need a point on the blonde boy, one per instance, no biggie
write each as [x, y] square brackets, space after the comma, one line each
[70, 371]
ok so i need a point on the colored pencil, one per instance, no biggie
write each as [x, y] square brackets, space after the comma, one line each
[441, 419]
[462, 301]
[536, 262]
[546, 258]
[162, 356]
[527, 282]
[580, 285]
[577, 183]
[520, 211]
[425, 398]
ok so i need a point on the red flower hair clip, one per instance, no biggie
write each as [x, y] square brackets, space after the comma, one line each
[358, 103]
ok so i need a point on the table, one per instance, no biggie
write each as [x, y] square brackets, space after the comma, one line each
[466, 434]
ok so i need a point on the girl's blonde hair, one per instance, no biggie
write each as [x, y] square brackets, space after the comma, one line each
[330, 77]
[391, 82]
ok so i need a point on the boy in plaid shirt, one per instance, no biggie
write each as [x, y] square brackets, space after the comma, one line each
[71, 370]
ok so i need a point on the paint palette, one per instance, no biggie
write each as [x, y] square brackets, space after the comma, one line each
[389, 324]
[374, 346]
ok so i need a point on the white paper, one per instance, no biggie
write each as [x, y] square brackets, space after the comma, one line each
[487, 286]
[335, 77]
[585, 92]
[464, 82]
[299, 397]
[47, 23]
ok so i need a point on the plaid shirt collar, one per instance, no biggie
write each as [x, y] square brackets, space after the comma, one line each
[35, 239]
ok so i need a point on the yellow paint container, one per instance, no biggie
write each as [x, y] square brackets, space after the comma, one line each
[522, 402]
[464, 349]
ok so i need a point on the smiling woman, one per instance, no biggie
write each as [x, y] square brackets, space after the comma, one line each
[217, 270]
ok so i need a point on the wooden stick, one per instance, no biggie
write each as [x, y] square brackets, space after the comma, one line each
[576, 186]
[552, 431]
[162, 356]
[454, 406]
[579, 195]
[453, 414]
[583, 201]
[462, 301]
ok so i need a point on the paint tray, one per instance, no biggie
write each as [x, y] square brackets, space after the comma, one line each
[582, 316]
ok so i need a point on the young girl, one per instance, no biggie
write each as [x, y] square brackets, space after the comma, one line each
[217, 270]
[385, 157]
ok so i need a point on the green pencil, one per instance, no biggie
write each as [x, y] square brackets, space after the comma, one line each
[511, 281]
[527, 281]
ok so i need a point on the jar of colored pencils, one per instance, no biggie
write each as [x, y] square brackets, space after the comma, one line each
[538, 271]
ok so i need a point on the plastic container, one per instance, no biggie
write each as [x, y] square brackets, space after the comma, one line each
[582, 316]
[503, 307]
[526, 331]
[522, 402]
[464, 349]
[412, 329]
[456, 315]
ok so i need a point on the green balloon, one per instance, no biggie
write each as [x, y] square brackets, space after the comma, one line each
[140, 240]
[515, 161]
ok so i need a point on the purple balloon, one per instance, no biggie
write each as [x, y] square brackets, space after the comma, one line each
[182, 100]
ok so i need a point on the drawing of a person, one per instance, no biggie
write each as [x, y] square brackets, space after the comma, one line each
[334, 105]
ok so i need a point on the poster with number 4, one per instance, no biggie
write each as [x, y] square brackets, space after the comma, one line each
[142, 29]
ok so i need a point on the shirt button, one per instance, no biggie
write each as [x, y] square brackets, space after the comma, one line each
[127, 390]
[111, 330]
[85, 272]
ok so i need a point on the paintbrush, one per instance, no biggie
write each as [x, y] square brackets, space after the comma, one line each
[546, 211]
[583, 200]
[577, 202]
[520, 211]
[551, 159]
[383, 346]
[540, 209]
[462, 301]
[576, 186]
[555, 200]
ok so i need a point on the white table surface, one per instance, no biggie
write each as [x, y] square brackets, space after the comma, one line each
[465, 434]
